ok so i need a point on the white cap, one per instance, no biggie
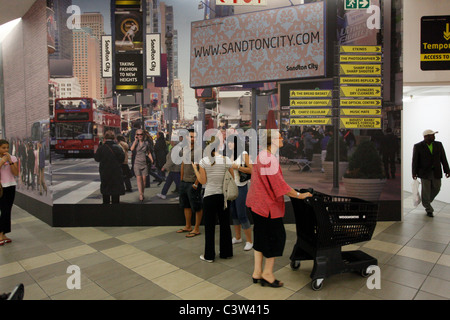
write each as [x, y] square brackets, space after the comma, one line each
[428, 132]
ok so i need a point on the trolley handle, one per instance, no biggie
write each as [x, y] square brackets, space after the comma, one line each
[310, 190]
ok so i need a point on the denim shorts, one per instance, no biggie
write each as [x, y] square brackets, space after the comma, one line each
[189, 197]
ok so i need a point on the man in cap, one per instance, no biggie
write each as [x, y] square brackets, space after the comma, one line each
[428, 156]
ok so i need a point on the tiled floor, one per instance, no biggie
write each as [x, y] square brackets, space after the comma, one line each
[157, 263]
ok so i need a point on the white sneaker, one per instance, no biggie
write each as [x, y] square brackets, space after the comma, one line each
[159, 195]
[248, 246]
[234, 241]
[203, 258]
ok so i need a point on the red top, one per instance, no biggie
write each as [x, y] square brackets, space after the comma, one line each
[267, 187]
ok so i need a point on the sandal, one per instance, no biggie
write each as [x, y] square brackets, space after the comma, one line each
[192, 234]
[274, 284]
[183, 231]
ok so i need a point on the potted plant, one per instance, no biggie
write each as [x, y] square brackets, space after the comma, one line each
[365, 177]
[328, 164]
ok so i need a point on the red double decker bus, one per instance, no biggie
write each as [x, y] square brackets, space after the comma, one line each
[79, 125]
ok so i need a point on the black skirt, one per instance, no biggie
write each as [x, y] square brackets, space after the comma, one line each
[269, 236]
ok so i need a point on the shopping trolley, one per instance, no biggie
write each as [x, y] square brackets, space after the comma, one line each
[326, 223]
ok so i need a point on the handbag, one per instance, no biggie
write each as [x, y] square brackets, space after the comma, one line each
[415, 193]
[244, 176]
[230, 189]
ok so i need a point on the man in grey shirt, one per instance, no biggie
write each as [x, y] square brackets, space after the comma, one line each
[190, 194]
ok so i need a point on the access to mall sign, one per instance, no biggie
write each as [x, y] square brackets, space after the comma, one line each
[263, 46]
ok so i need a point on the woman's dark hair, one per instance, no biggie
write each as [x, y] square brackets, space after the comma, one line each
[238, 146]
[2, 142]
[121, 138]
[109, 135]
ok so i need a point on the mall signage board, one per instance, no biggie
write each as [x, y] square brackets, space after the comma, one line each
[223, 52]
[435, 43]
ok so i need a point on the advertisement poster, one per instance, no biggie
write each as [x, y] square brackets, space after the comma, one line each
[263, 46]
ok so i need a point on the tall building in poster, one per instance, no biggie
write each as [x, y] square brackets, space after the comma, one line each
[86, 62]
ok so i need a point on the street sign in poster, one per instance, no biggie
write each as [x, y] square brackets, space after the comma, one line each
[360, 103]
[360, 123]
[361, 92]
[310, 112]
[310, 121]
[361, 49]
[360, 58]
[310, 93]
[361, 69]
[361, 112]
[360, 80]
[310, 103]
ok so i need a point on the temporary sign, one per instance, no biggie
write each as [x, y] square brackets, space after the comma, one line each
[360, 103]
[360, 69]
[310, 112]
[310, 121]
[310, 103]
[360, 92]
[435, 43]
[360, 123]
[361, 112]
[310, 93]
[361, 49]
[360, 80]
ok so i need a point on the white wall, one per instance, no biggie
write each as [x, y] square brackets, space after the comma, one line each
[419, 114]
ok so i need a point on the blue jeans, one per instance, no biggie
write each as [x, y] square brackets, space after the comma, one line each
[171, 177]
[239, 210]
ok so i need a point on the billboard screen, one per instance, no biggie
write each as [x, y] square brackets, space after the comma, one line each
[279, 44]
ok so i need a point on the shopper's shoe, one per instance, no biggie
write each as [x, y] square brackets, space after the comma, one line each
[248, 246]
[234, 241]
[275, 284]
[430, 214]
[203, 258]
[159, 195]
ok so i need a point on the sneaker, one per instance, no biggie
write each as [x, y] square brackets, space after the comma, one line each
[234, 241]
[203, 258]
[248, 246]
[159, 195]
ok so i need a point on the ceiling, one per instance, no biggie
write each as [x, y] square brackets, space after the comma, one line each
[11, 10]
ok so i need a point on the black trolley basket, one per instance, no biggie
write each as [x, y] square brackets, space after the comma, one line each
[324, 224]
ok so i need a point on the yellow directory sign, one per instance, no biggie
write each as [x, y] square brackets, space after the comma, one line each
[360, 58]
[361, 92]
[361, 69]
[360, 123]
[360, 103]
[360, 49]
[310, 93]
[310, 121]
[361, 112]
[360, 80]
[310, 112]
[310, 102]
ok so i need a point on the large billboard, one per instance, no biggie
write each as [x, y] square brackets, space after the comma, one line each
[271, 45]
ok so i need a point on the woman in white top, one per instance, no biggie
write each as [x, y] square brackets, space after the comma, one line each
[241, 163]
[8, 173]
[211, 174]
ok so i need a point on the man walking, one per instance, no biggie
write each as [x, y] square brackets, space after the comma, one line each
[428, 156]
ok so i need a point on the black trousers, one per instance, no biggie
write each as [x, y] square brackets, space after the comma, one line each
[108, 199]
[6, 203]
[213, 209]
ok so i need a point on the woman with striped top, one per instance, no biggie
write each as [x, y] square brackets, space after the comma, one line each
[211, 173]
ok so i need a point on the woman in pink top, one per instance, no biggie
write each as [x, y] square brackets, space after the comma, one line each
[265, 199]
[8, 172]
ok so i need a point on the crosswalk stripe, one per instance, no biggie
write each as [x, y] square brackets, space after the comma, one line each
[79, 194]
